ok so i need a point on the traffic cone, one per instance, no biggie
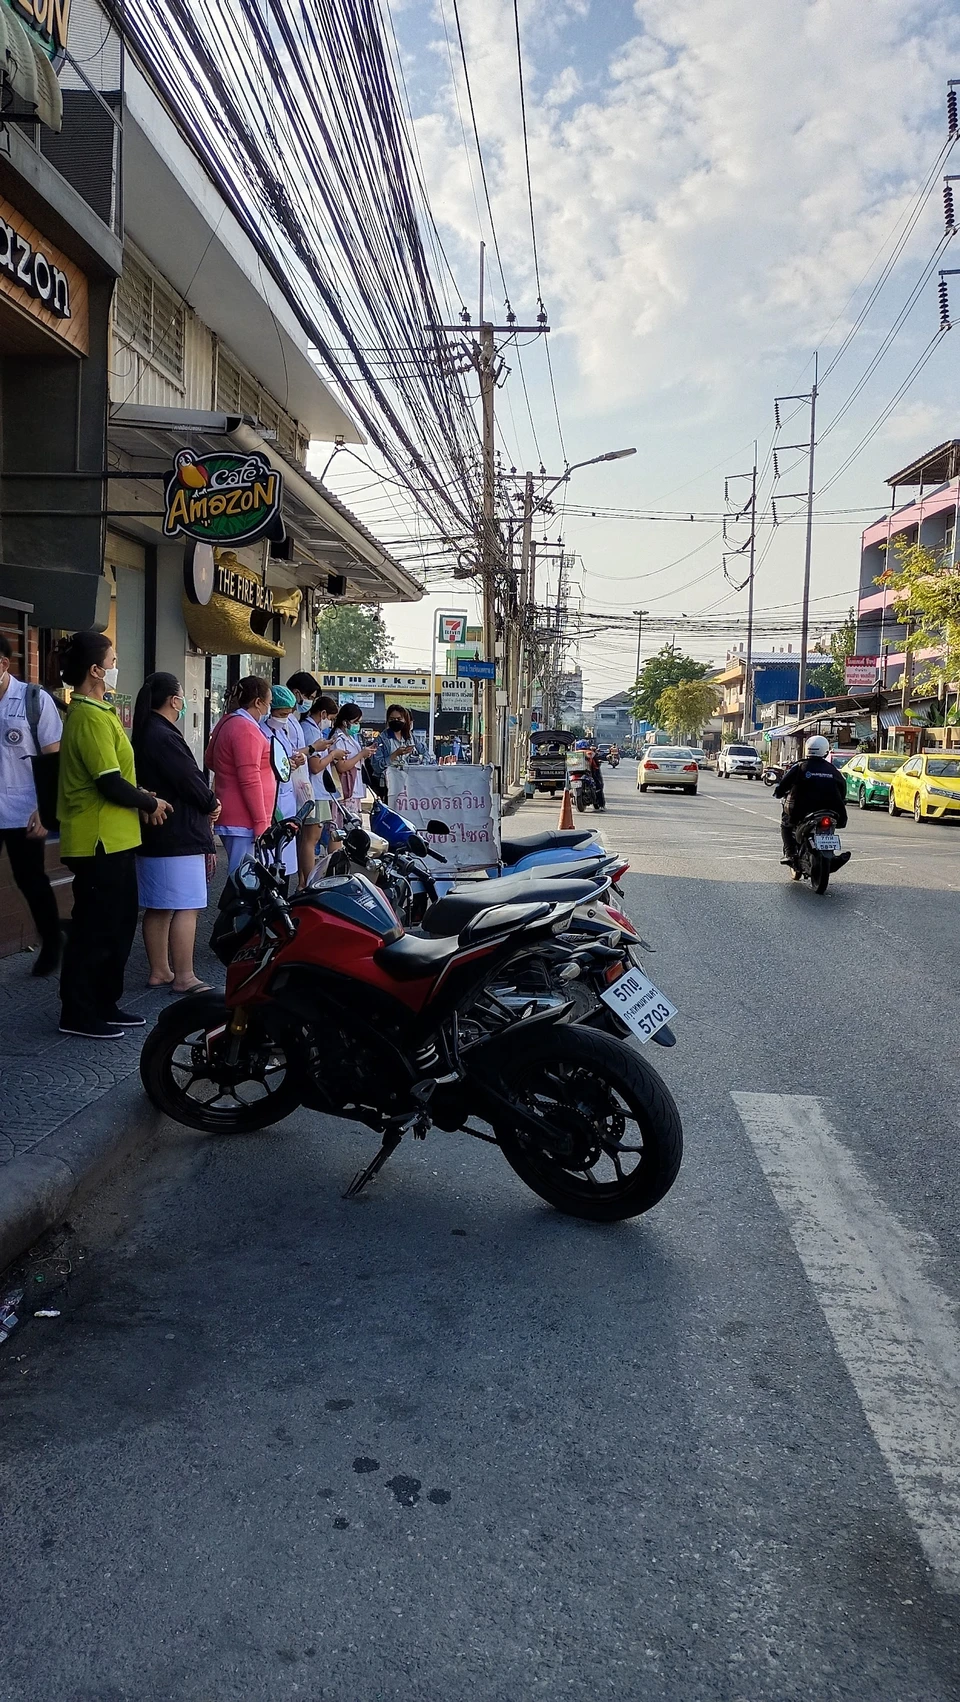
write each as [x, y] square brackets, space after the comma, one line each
[566, 810]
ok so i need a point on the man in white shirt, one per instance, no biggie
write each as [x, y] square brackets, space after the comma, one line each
[21, 829]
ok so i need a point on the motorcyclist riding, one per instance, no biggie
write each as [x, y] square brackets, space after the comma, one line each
[808, 786]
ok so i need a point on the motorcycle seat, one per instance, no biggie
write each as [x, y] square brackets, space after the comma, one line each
[450, 915]
[512, 848]
[413, 957]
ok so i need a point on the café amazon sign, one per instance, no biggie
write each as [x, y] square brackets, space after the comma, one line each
[223, 499]
[47, 19]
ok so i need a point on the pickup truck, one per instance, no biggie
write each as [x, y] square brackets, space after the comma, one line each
[739, 759]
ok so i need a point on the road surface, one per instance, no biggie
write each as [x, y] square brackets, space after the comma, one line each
[442, 1443]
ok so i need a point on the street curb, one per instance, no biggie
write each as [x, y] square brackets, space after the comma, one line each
[37, 1190]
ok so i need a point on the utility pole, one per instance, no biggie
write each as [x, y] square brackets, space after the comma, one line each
[746, 723]
[483, 356]
[639, 614]
[810, 397]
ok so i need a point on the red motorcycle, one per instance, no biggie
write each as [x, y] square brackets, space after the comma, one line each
[330, 1004]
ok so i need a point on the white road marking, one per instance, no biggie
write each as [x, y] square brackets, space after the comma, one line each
[894, 1329]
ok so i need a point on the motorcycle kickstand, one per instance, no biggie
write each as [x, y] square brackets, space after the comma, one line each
[391, 1140]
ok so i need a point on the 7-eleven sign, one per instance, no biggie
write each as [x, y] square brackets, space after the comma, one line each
[451, 629]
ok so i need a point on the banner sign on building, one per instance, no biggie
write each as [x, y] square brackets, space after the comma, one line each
[400, 681]
[451, 629]
[223, 498]
[860, 672]
[459, 794]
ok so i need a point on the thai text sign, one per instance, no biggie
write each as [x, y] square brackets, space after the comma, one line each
[475, 670]
[223, 498]
[860, 672]
[462, 796]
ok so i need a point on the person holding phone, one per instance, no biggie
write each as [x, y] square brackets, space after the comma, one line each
[349, 753]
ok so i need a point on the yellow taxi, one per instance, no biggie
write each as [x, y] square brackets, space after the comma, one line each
[928, 786]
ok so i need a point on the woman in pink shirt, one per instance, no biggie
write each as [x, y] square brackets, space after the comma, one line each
[243, 777]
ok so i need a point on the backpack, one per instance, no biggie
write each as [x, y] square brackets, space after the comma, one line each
[46, 769]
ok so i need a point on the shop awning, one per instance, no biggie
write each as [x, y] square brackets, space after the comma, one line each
[327, 538]
[26, 69]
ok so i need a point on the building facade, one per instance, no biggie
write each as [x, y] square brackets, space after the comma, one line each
[929, 518]
[774, 678]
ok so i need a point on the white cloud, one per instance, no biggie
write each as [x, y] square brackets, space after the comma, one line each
[710, 190]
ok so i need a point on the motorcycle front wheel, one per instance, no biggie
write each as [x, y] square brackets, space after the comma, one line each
[185, 1072]
[610, 1140]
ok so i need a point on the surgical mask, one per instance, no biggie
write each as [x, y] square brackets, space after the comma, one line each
[324, 723]
[395, 726]
[181, 712]
[354, 728]
[110, 678]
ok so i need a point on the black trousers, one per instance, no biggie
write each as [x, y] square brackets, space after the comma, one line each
[26, 866]
[105, 909]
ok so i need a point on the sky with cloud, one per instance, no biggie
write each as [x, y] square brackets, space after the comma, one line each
[717, 187]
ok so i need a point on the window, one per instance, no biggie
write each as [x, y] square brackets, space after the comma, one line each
[237, 392]
[149, 314]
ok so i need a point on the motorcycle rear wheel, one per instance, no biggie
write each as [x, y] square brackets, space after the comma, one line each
[820, 875]
[612, 1139]
[262, 1088]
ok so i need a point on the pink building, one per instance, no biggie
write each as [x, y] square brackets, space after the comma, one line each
[931, 517]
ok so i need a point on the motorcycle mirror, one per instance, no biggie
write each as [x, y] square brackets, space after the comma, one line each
[437, 827]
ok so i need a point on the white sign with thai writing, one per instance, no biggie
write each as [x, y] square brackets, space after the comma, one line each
[461, 795]
[456, 695]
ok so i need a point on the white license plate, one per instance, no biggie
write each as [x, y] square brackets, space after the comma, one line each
[639, 1004]
[826, 841]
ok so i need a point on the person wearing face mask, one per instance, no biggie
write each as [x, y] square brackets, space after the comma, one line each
[172, 860]
[282, 724]
[99, 806]
[316, 714]
[349, 753]
[238, 753]
[395, 747]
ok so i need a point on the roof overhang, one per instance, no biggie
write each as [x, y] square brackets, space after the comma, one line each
[176, 216]
[933, 468]
[327, 538]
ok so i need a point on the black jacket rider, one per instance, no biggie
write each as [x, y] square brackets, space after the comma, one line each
[808, 787]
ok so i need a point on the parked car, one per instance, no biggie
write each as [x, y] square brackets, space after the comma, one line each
[700, 755]
[739, 759]
[868, 779]
[929, 786]
[668, 765]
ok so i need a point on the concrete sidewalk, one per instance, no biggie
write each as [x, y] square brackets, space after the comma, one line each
[70, 1109]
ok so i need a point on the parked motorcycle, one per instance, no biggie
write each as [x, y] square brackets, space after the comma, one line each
[819, 853]
[330, 1004]
[599, 945]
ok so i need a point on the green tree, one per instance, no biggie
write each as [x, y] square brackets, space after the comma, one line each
[838, 647]
[685, 709]
[669, 667]
[353, 637]
[926, 592]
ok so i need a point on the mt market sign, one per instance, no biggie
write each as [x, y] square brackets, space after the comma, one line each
[223, 498]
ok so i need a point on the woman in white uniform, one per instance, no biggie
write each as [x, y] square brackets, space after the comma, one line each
[21, 829]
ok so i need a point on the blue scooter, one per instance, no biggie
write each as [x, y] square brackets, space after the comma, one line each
[520, 853]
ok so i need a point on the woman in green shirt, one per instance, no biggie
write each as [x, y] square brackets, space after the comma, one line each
[99, 806]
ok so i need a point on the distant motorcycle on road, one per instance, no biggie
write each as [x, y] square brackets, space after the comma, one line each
[773, 773]
[819, 852]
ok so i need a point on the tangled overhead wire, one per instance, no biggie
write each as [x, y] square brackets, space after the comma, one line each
[294, 111]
